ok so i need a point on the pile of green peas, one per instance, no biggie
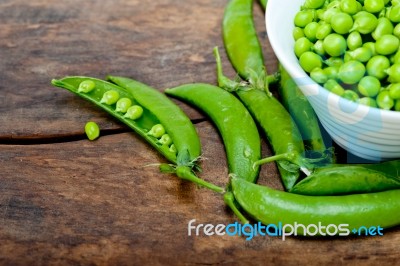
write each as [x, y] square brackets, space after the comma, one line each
[351, 47]
[124, 105]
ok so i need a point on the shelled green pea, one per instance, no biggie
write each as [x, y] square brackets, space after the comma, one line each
[309, 61]
[351, 47]
[354, 40]
[384, 100]
[334, 87]
[369, 86]
[368, 101]
[302, 45]
[298, 33]
[351, 72]
[394, 91]
[350, 7]
[393, 73]
[387, 44]
[384, 27]
[396, 30]
[92, 130]
[361, 54]
[350, 95]
[303, 18]
[364, 22]
[342, 23]
[377, 66]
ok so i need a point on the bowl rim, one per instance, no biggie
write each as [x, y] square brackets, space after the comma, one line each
[374, 112]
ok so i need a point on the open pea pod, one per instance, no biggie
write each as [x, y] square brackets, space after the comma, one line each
[141, 125]
[159, 121]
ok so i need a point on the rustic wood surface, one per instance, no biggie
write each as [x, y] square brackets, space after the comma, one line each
[67, 201]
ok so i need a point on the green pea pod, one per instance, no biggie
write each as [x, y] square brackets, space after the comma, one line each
[302, 112]
[389, 168]
[300, 109]
[278, 126]
[157, 112]
[245, 53]
[280, 130]
[349, 212]
[345, 180]
[241, 41]
[235, 124]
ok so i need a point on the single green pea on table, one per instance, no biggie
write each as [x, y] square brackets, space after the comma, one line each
[317, 189]
[348, 41]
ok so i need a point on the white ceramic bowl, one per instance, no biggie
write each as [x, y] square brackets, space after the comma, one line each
[366, 132]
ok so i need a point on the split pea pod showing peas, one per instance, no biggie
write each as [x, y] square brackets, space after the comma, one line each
[148, 112]
[271, 206]
[236, 126]
[173, 119]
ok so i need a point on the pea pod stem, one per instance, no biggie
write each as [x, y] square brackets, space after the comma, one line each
[284, 156]
[229, 200]
[186, 173]
[232, 85]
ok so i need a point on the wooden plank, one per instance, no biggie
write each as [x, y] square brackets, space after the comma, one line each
[97, 203]
[161, 43]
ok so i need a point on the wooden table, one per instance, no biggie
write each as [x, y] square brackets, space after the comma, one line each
[67, 200]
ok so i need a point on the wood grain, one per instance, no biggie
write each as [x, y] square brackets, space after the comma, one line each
[67, 201]
[96, 203]
[161, 43]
